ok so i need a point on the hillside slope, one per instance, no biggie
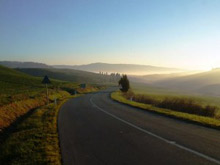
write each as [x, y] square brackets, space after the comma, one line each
[206, 82]
[132, 69]
[120, 68]
[16, 86]
[16, 64]
[70, 75]
[12, 80]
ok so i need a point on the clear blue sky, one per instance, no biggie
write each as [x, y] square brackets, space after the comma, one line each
[178, 33]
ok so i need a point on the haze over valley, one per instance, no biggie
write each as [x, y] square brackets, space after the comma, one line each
[89, 82]
[199, 82]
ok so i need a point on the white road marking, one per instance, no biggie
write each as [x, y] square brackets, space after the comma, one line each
[157, 136]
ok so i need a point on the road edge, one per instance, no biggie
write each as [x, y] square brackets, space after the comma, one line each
[163, 114]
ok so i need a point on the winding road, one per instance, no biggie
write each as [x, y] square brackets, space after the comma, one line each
[93, 130]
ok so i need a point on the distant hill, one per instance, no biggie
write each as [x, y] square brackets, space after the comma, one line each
[148, 79]
[160, 77]
[131, 69]
[206, 82]
[120, 68]
[70, 75]
[16, 64]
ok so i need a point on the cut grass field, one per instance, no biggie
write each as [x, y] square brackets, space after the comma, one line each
[207, 121]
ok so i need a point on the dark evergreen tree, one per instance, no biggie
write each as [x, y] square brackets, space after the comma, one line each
[124, 83]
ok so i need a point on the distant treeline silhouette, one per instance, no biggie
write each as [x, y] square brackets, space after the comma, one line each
[112, 77]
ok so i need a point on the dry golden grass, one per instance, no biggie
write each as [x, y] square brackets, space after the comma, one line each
[9, 113]
[35, 140]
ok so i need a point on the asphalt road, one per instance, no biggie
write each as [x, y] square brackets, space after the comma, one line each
[93, 129]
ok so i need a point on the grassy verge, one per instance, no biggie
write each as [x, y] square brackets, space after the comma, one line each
[35, 140]
[9, 113]
[207, 121]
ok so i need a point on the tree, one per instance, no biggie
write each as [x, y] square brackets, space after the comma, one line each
[124, 82]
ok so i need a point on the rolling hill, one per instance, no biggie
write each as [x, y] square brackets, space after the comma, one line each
[149, 79]
[206, 82]
[71, 75]
[12, 80]
[16, 86]
[16, 64]
[132, 69]
[120, 68]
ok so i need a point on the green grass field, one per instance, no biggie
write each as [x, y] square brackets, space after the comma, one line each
[17, 86]
[20, 93]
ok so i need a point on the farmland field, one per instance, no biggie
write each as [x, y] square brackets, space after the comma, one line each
[161, 93]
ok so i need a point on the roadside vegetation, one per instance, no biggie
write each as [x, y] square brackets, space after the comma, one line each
[160, 93]
[171, 104]
[10, 112]
[186, 105]
[35, 140]
[20, 93]
[204, 120]
[28, 123]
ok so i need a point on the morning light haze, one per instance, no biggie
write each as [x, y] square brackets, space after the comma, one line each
[171, 33]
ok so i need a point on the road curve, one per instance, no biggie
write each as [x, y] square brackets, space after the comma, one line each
[93, 129]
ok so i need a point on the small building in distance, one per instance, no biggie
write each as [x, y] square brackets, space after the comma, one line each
[74, 92]
[82, 86]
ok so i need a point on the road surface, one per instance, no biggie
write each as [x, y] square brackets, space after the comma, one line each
[93, 129]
